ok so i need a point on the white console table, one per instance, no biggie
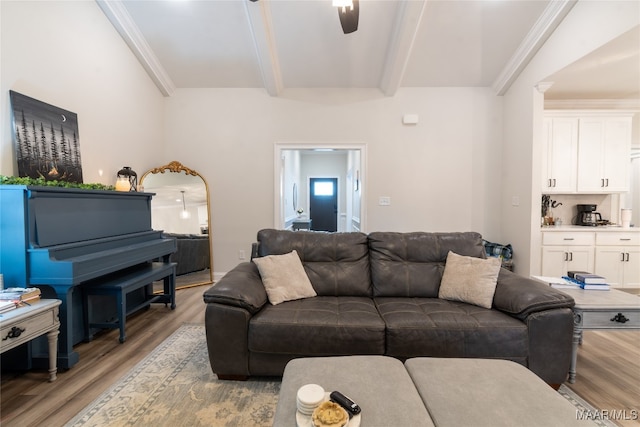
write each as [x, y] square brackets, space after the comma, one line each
[612, 309]
[31, 321]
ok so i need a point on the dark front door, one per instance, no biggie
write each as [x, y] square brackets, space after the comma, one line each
[323, 204]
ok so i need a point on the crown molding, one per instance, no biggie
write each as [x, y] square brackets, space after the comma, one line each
[542, 87]
[406, 28]
[123, 23]
[592, 104]
[546, 24]
[264, 41]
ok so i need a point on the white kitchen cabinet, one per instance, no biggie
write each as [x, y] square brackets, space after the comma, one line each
[617, 258]
[565, 251]
[558, 260]
[560, 155]
[604, 144]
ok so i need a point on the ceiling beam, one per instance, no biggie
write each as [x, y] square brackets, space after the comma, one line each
[123, 23]
[405, 31]
[546, 24]
[261, 26]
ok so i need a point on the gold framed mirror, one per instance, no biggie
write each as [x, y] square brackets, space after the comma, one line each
[181, 209]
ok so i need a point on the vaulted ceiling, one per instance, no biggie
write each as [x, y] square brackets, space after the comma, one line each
[282, 44]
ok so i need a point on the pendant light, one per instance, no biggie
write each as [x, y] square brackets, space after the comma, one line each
[184, 214]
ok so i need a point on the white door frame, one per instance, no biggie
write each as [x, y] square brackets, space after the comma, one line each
[278, 175]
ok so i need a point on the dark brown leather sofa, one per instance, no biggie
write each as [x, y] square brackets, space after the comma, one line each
[192, 253]
[378, 294]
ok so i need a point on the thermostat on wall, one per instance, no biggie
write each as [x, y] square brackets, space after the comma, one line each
[410, 119]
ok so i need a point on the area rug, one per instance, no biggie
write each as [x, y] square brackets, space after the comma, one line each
[174, 386]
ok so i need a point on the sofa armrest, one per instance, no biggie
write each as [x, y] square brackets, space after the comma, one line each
[520, 296]
[241, 287]
[550, 344]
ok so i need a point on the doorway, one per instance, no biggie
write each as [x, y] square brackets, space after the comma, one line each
[323, 204]
[296, 163]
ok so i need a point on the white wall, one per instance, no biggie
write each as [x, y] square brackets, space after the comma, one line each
[589, 25]
[442, 175]
[450, 172]
[66, 53]
[354, 212]
[169, 219]
[291, 166]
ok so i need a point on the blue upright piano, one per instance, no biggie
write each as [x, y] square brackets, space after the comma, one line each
[58, 239]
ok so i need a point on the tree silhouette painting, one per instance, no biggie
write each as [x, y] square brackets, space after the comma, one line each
[47, 140]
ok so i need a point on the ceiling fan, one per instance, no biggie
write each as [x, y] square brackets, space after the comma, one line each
[348, 12]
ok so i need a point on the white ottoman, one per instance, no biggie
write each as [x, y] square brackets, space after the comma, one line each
[379, 384]
[488, 392]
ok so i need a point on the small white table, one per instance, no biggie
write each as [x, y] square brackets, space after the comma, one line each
[612, 309]
[25, 323]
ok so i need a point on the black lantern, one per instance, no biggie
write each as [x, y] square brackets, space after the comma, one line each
[127, 180]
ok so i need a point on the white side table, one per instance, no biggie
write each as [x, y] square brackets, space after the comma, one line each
[26, 323]
[611, 309]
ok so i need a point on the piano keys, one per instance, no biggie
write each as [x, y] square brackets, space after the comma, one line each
[58, 239]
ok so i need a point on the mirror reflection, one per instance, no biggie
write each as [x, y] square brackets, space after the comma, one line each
[180, 207]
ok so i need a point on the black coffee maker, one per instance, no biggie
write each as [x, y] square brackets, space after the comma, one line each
[588, 216]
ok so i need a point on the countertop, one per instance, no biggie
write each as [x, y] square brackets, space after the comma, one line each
[605, 228]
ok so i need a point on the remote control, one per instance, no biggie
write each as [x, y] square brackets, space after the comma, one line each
[349, 405]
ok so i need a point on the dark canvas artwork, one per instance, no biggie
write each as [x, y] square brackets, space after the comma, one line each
[47, 140]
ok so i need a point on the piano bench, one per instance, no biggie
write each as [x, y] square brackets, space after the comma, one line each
[120, 284]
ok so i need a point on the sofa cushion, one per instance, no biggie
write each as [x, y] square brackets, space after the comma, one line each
[470, 279]
[337, 264]
[284, 277]
[411, 264]
[318, 326]
[434, 327]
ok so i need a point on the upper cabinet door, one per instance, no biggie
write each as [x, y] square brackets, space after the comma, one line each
[590, 173]
[617, 150]
[559, 155]
[603, 154]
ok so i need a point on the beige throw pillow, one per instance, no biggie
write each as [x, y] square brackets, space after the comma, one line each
[469, 279]
[284, 277]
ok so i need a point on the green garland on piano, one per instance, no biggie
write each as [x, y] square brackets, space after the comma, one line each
[25, 180]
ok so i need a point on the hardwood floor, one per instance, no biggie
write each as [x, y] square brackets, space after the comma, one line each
[608, 373]
[608, 368]
[29, 400]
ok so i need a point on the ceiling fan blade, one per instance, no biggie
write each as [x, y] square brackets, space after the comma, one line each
[349, 17]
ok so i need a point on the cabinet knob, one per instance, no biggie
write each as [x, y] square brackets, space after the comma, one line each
[15, 332]
[620, 318]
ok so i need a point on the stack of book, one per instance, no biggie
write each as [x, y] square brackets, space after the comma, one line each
[587, 280]
[7, 305]
[20, 296]
[557, 282]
